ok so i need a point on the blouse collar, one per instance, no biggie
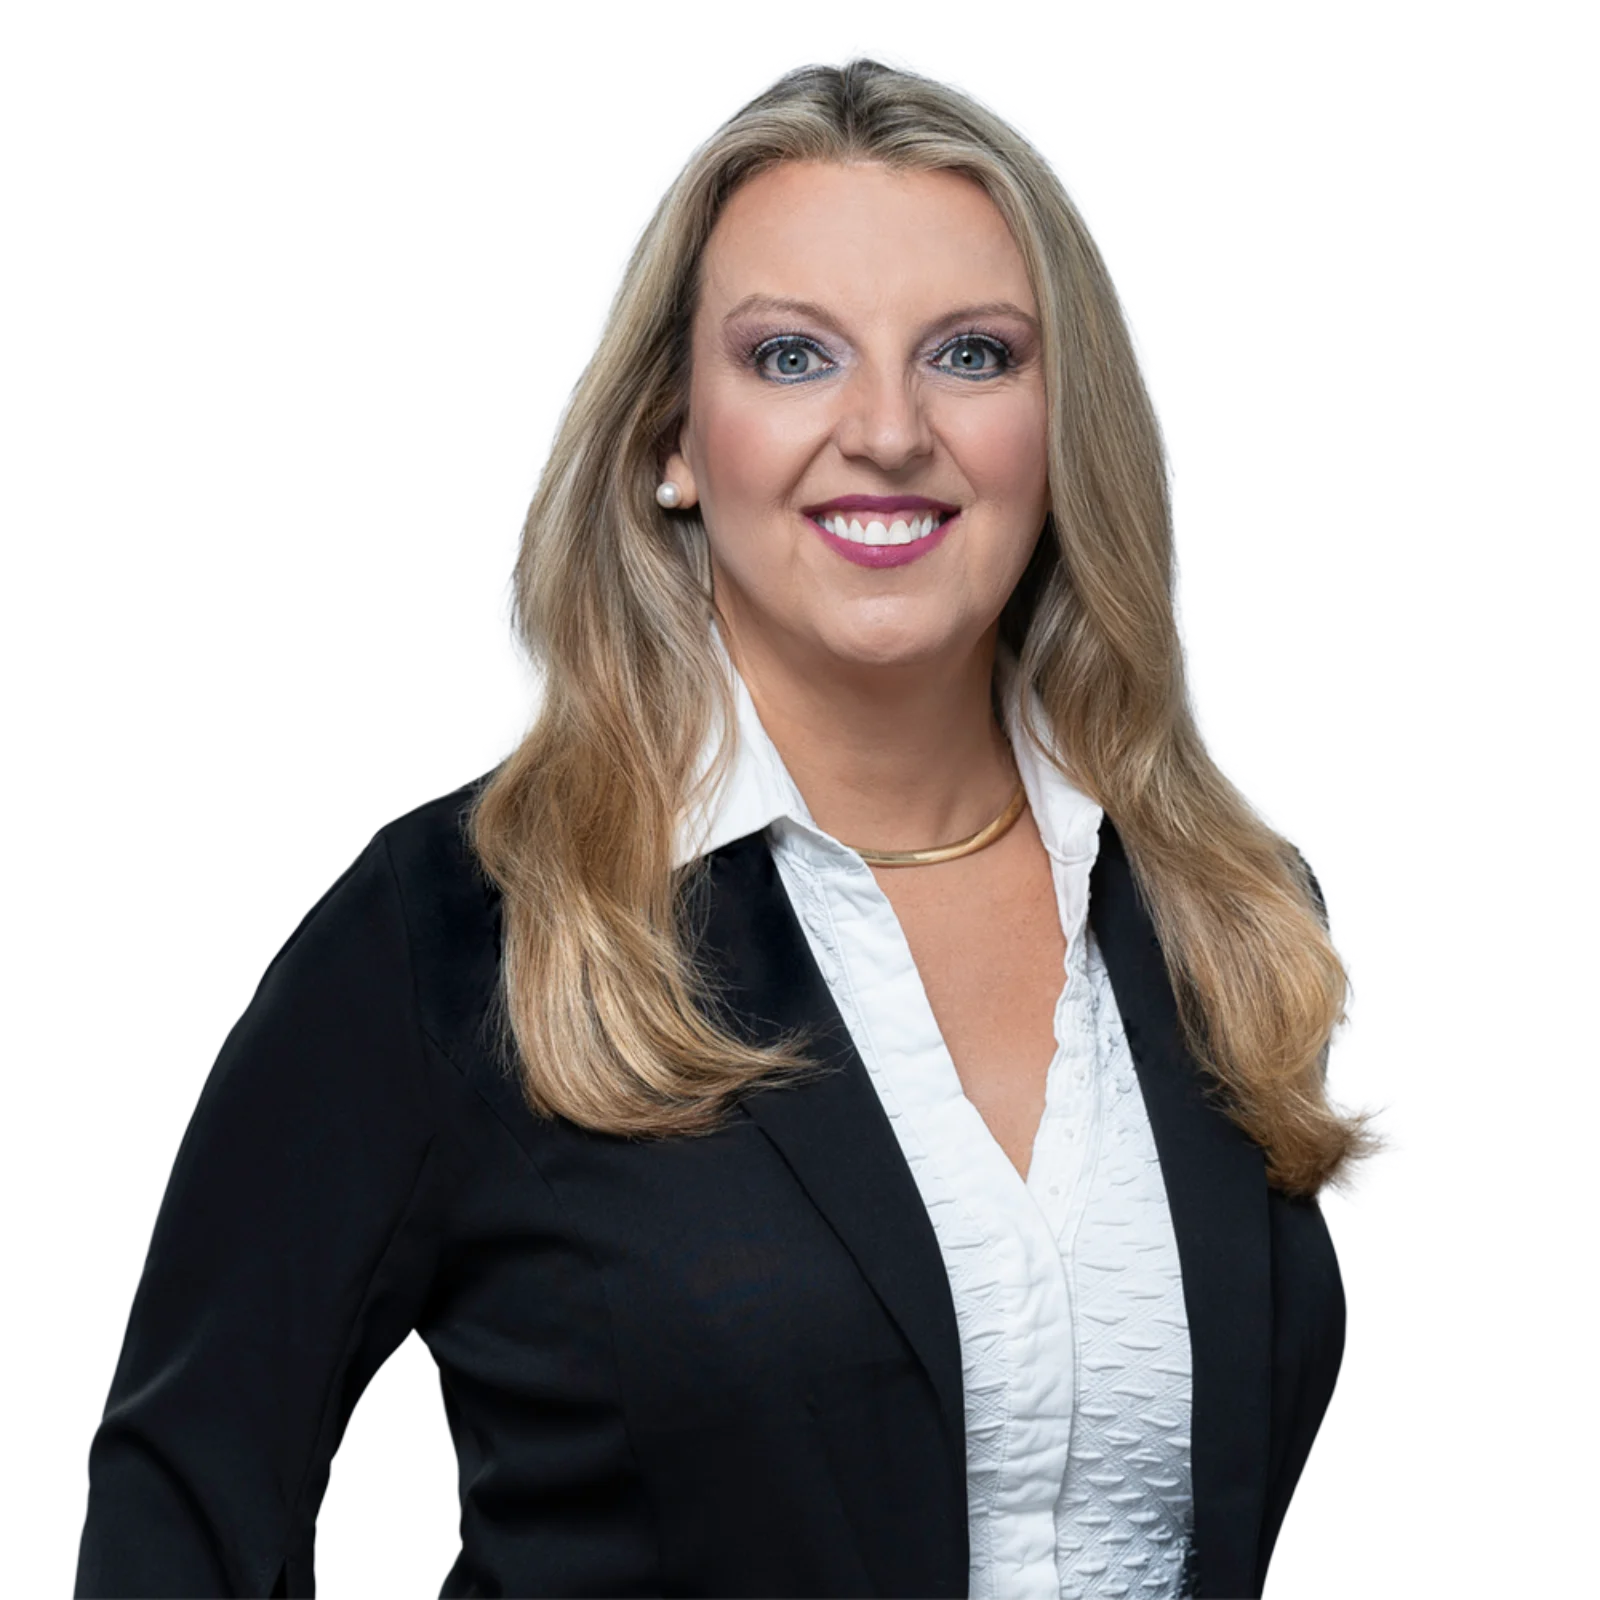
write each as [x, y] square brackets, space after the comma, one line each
[758, 792]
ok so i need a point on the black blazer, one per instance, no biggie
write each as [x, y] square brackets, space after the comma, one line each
[724, 1365]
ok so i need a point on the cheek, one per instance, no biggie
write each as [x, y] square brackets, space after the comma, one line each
[1002, 448]
[749, 455]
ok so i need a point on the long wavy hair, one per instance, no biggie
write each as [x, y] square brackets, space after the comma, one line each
[606, 1016]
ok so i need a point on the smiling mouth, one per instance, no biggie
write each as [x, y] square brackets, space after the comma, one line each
[882, 530]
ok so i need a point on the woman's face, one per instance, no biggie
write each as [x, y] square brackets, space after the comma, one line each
[865, 367]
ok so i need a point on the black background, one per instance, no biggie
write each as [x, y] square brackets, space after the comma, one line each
[354, 280]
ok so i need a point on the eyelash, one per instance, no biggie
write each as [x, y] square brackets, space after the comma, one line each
[789, 341]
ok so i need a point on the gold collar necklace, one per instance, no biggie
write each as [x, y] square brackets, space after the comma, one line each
[987, 834]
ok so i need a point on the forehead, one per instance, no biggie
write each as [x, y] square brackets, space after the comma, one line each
[862, 238]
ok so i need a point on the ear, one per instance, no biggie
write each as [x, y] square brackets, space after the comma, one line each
[676, 469]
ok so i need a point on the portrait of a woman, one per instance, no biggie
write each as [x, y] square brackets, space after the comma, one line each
[843, 1102]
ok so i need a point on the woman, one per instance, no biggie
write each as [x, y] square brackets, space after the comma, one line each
[825, 1153]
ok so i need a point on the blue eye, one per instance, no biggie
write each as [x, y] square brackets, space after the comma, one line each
[789, 349]
[981, 356]
[974, 355]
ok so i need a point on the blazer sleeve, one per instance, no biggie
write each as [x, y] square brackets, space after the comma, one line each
[286, 1264]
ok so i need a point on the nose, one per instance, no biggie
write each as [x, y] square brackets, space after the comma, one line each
[883, 420]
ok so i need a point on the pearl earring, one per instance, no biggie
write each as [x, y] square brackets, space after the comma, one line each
[668, 494]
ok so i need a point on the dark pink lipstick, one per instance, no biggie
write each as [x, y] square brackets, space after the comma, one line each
[885, 511]
[881, 503]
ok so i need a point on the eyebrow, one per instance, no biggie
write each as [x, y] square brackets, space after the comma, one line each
[809, 308]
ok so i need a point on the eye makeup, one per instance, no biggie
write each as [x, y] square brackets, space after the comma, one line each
[767, 352]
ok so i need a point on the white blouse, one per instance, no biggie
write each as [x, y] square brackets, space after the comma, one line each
[1067, 1290]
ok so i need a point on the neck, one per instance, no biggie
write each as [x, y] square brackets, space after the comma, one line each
[898, 757]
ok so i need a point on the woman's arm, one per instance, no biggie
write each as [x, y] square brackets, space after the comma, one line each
[285, 1266]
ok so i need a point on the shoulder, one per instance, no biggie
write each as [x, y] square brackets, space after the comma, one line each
[428, 848]
[450, 910]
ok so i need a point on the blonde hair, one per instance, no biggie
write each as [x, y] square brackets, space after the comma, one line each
[606, 1016]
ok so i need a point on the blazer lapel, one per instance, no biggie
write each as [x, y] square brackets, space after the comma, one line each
[833, 1133]
[832, 1130]
[1216, 1191]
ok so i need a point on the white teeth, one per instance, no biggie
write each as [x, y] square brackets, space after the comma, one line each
[901, 531]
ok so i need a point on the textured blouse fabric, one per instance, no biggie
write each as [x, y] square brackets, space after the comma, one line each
[1067, 1289]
